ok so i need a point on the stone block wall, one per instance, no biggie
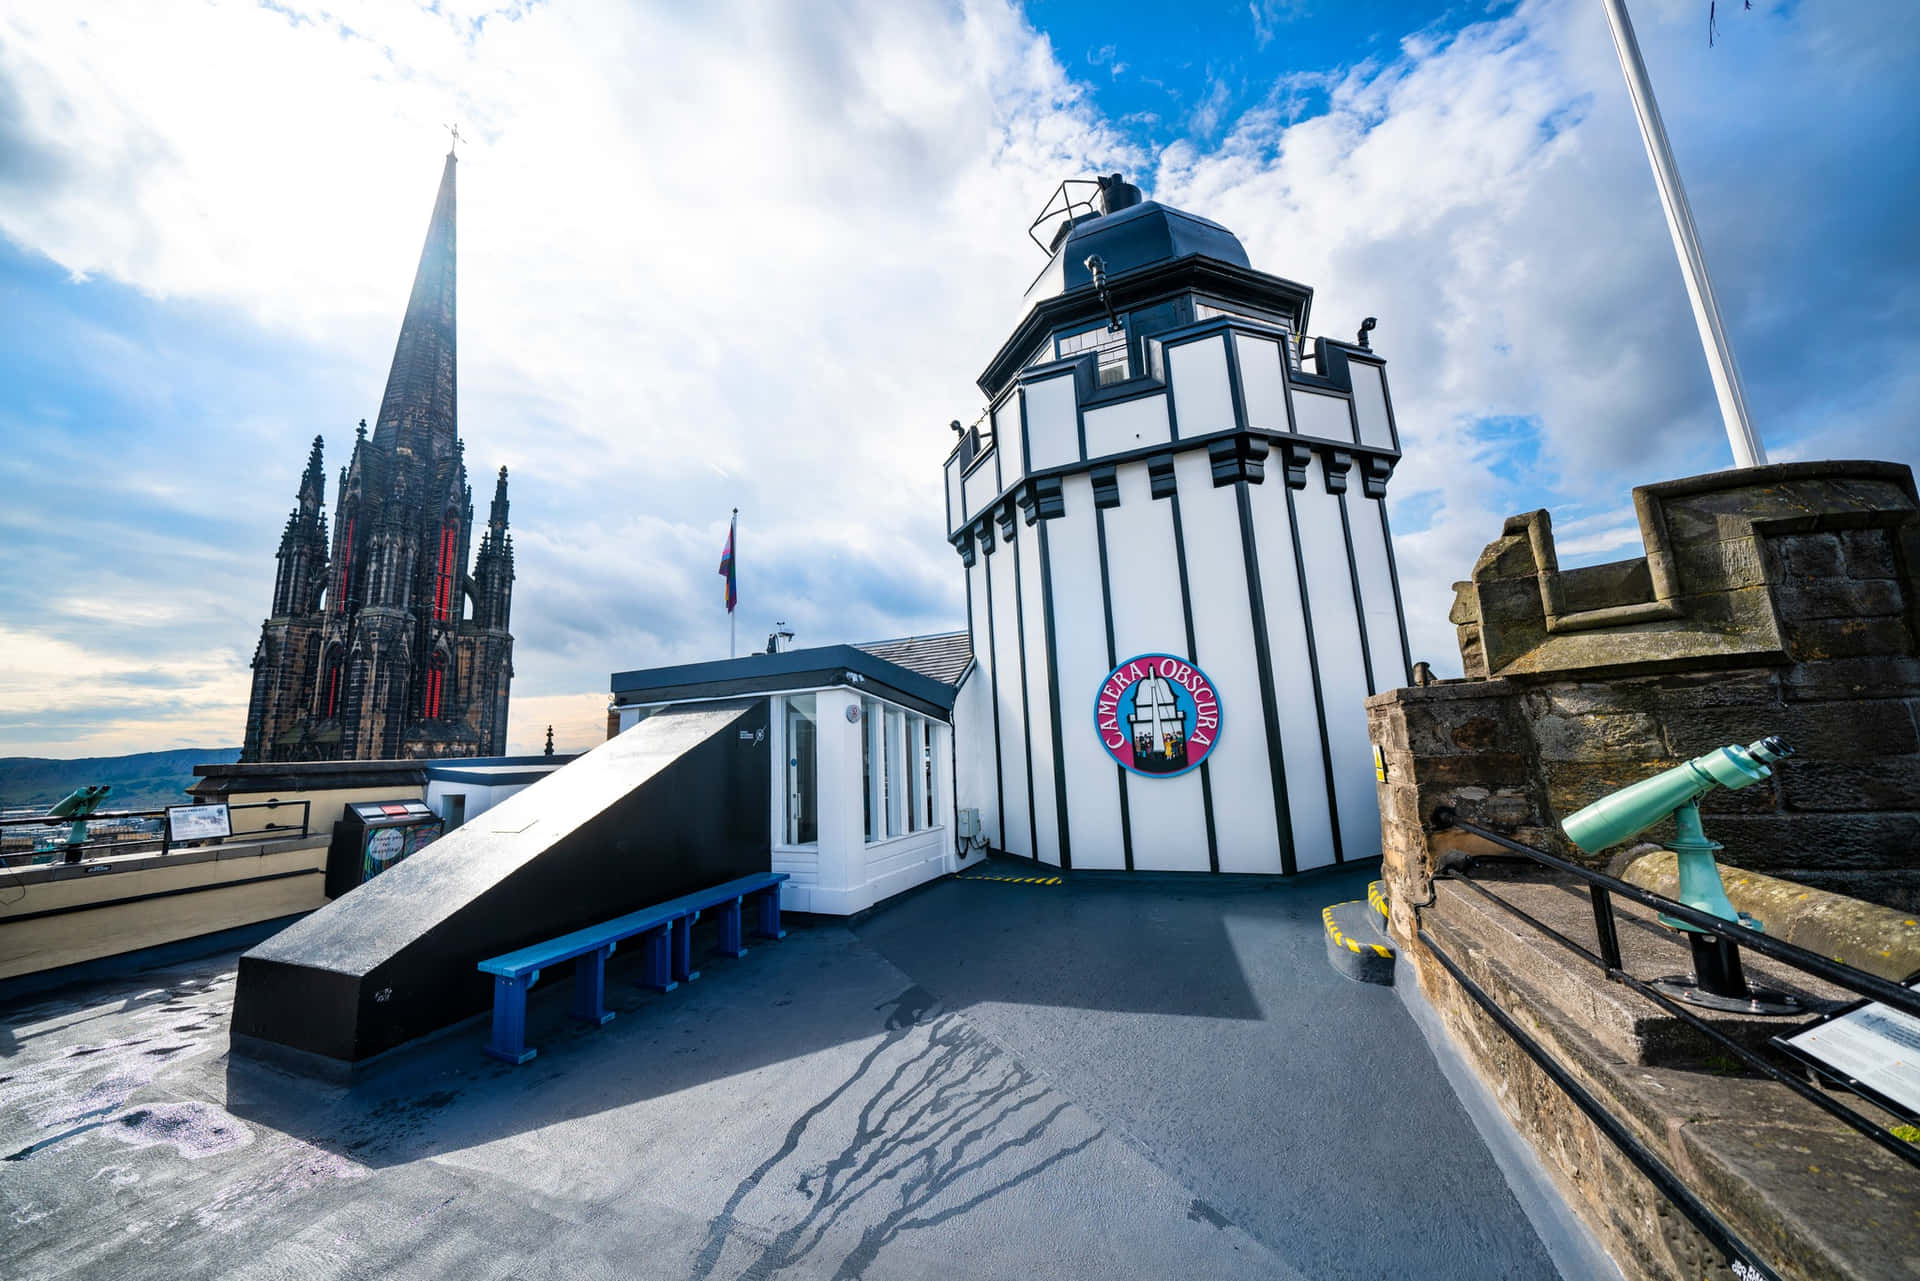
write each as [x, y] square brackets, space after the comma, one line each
[1777, 600]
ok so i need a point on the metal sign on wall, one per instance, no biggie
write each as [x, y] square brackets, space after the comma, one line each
[198, 823]
[1157, 715]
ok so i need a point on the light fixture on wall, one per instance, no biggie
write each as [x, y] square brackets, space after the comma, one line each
[1097, 268]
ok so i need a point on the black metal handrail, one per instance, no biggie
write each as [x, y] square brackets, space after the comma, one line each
[1845, 1115]
[1601, 885]
[1601, 888]
[163, 837]
[1699, 1213]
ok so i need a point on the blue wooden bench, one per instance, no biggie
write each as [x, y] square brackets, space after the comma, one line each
[667, 935]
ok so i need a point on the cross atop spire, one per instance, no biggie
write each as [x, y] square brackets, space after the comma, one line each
[454, 143]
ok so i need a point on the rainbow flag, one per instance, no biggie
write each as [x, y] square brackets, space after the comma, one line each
[726, 567]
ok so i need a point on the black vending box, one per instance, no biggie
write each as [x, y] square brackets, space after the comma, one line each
[372, 836]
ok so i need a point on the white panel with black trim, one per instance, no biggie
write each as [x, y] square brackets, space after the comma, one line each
[987, 798]
[1080, 641]
[1131, 424]
[1262, 382]
[956, 499]
[1202, 401]
[1018, 836]
[1318, 414]
[1166, 817]
[1053, 427]
[1375, 572]
[1370, 403]
[1046, 813]
[982, 484]
[1245, 828]
[1343, 671]
[1007, 433]
[1293, 678]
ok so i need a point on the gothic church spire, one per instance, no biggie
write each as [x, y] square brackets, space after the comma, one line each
[394, 666]
[418, 411]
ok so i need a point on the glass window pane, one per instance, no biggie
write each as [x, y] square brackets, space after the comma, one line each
[916, 776]
[926, 759]
[1112, 348]
[802, 737]
[869, 784]
[896, 771]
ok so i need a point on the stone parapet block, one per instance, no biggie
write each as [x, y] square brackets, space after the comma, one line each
[1865, 935]
[1876, 676]
[1627, 1024]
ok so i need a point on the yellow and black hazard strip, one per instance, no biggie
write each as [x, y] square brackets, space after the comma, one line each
[1377, 899]
[1350, 946]
[1014, 880]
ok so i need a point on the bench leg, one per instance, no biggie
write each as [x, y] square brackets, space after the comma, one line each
[730, 944]
[770, 914]
[590, 988]
[509, 1040]
[659, 959]
[683, 948]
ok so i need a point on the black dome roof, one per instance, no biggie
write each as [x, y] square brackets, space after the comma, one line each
[1138, 236]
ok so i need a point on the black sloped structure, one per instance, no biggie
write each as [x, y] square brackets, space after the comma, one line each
[678, 802]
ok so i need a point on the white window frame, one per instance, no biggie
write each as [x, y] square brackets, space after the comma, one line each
[916, 773]
[777, 733]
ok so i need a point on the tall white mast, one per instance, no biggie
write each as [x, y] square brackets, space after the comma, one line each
[1747, 450]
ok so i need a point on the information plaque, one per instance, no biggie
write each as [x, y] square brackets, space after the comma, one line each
[1868, 1047]
[198, 823]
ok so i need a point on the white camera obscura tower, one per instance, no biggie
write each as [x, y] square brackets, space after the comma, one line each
[1180, 577]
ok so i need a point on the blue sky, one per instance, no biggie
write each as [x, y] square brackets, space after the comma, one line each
[1166, 72]
[755, 255]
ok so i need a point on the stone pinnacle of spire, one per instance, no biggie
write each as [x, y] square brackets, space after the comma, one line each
[313, 483]
[420, 408]
[497, 519]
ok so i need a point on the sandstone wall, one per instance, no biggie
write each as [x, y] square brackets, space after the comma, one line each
[1779, 600]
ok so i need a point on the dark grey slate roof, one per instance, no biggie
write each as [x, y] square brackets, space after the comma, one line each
[942, 657]
[789, 669]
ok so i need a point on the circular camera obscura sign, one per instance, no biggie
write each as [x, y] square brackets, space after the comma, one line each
[1157, 715]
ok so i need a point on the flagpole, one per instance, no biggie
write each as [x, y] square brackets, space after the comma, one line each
[1727, 388]
[733, 620]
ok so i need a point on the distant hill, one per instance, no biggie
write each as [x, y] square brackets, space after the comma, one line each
[142, 781]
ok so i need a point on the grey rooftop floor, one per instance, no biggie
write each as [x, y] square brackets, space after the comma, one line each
[1109, 1078]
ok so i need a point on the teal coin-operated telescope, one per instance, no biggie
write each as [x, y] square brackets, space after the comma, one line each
[78, 805]
[1718, 982]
